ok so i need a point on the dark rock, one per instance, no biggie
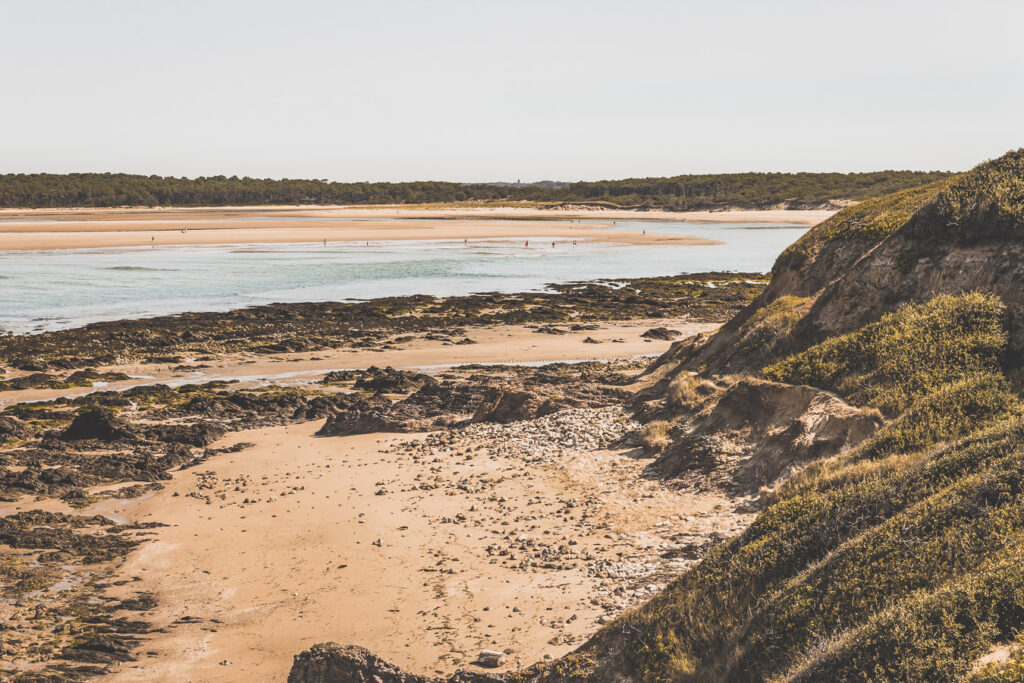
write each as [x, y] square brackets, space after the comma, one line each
[36, 379]
[100, 424]
[13, 428]
[662, 333]
[392, 381]
[102, 649]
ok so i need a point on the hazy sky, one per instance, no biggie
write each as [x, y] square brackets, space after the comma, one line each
[486, 90]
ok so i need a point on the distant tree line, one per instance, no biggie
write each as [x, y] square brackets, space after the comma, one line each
[686, 192]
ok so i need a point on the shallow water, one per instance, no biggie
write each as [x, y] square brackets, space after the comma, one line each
[47, 290]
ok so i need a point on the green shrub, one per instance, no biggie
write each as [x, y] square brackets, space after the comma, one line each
[947, 413]
[906, 354]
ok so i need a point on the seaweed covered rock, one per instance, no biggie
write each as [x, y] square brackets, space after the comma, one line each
[13, 428]
[392, 381]
[32, 381]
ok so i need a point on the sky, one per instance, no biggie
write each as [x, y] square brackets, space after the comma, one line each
[488, 90]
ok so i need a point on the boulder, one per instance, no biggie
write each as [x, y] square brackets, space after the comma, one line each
[662, 333]
[333, 663]
[490, 658]
[356, 421]
[503, 406]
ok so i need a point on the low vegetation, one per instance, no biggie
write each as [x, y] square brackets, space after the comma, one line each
[907, 354]
[866, 571]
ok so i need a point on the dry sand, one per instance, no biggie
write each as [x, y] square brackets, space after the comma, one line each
[341, 541]
[92, 228]
[494, 344]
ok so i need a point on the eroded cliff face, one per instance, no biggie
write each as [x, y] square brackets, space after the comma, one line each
[758, 431]
[908, 268]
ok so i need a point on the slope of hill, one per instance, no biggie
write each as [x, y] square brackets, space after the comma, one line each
[897, 559]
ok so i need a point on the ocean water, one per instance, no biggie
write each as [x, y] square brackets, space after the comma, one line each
[47, 290]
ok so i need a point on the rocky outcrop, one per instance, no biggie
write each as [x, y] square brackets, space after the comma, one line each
[504, 406]
[758, 430]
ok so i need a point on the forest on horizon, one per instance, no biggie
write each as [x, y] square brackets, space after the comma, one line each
[684, 192]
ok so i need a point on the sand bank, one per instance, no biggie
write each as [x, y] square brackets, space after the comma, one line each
[93, 228]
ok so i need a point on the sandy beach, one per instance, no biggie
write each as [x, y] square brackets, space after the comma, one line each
[426, 548]
[342, 541]
[92, 228]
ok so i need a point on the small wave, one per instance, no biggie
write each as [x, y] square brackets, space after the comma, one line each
[142, 268]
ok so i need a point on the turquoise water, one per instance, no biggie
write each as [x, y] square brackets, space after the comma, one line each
[46, 290]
